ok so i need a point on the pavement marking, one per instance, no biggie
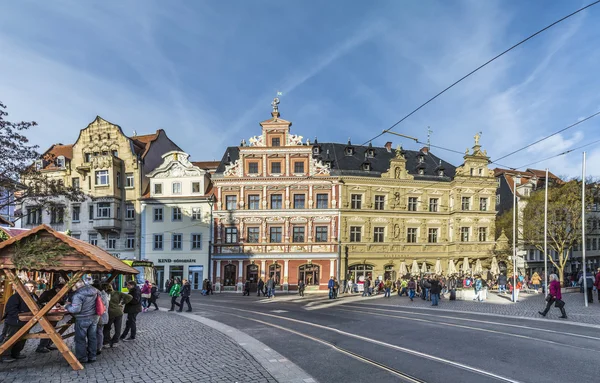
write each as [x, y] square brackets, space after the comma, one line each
[486, 322]
[279, 311]
[336, 302]
[377, 342]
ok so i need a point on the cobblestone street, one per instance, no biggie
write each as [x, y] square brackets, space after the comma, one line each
[168, 348]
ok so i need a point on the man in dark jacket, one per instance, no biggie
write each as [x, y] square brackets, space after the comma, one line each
[261, 287]
[502, 280]
[46, 345]
[14, 306]
[186, 291]
[132, 309]
[83, 309]
[115, 314]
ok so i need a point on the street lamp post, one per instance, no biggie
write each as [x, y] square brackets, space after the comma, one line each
[514, 239]
[211, 203]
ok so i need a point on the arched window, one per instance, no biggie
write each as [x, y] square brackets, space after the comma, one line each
[229, 275]
[252, 273]
[360, 272]
[309, 274]
[389, 273]
[275, 273]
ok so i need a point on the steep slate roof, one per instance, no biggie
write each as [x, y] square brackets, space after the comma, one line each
[346, 165]
[94, 258]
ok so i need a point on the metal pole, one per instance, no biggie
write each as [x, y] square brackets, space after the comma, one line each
[585, 296]
[546, 236]
[514, 238]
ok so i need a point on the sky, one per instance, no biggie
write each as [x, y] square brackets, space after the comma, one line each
[206, 72]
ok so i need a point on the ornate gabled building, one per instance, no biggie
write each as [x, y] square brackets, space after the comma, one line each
[404, 206]
[111, 169]
[276, 212]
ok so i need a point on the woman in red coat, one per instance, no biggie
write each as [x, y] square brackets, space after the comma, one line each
[555, 296]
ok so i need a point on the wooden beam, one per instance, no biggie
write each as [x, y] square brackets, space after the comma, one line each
[111, 278]
[37, 335]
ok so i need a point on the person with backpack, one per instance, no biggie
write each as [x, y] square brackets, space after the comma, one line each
[83, 309]
[174, 293]
[103, 316]
[132, 309]
[117, 300]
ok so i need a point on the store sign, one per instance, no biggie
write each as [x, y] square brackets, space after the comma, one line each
[169, 260]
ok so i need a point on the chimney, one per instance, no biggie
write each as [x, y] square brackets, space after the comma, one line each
[388, 146]
[425, 150]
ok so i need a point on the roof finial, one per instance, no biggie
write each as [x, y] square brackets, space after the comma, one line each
[477, 137]
[275, 105]
[134, 133]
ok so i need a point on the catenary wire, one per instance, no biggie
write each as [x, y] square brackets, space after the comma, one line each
[483, 65]
[559, 154]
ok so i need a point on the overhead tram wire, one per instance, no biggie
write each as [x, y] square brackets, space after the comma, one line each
[482, 66]
[559, 154]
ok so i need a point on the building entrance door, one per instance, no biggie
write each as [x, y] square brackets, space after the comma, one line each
[309, 274]
[196, 276]
[160, 278]
[252, 276]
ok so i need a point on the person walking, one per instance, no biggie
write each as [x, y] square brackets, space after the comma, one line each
[478, 288]
[330, 286]
[83, 309]
[154, 294]
[388, 288]
[366, 287]
[186, 291]
[246, 288]
[132, 309]
[174, 293]
[146, 295]
[554, 296]
[301, 287]
[412, 287]
[117, 300]
[597, 283]
[536, 281]
[271, 288]
[260, 288]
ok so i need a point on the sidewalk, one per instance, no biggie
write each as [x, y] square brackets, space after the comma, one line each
[169, 348]
[527, 306]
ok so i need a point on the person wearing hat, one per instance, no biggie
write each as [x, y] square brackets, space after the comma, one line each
[83, 309]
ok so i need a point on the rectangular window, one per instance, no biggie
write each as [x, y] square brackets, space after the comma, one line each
[130, 241]
[196, 242]
[102, 177]
[594, 244]
[88, 157]
[275, 234]
[299, 200]
[91, 211]
[129, 211]
[322, 201]
[378, 234]
[356, 201]
[411, 235]
[176, 187]
[432, 235]
[253, 167]
[299, 167]
[588, 244]
[412, 203]
[158, 189]
[464, 234]
[176, 214]
[433, 204]
[75, 182]
[103, 210]
[93, 239]
[275, 141]
[118, 179]
[195, 187]
[254, 202]
[379, 202]
[129, 182]
[275, 167]
[196, 214]
[276, 201]
[158, 242]
[111, 242]
[57, 214]
[253, 234]
[320, 233]
[158, 214]
[531, 254]
[231, 202]
[355, 233]
[76, 212]
[298, 234]
[466, 203]
[483, 204]
[176, 241]
[231, 235]
[482, 234]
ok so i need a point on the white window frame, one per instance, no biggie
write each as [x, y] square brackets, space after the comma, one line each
[176, 214]
[196, 241]
[102, 175]
[129, 180]
[158, 239]
[159, 210]
[196, 214]
[176, 188]
[129, 211]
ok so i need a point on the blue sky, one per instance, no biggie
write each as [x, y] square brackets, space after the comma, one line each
[206, 72]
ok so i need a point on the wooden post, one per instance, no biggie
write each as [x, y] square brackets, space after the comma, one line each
[39, 316]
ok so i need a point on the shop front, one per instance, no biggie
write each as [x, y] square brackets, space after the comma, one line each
[193, 269]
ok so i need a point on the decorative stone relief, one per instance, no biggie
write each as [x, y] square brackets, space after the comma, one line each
[294, 139]
[257, 141]
[234, 169]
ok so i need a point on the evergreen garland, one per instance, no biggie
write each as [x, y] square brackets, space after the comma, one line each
[32, 253]
[3, 236]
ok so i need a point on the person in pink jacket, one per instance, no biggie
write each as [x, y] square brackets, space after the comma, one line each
[555, 297]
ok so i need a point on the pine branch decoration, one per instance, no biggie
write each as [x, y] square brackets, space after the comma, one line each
[36, 252]
[3, 236]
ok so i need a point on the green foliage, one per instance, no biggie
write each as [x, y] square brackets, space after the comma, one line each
[36, 252]
[505, 222]
[3, 236]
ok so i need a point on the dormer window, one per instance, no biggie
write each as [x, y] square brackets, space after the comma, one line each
[421, 171]
[370, 153]
[440, 173]
[39, 164]
[366, 166]
[316, 150]
[60, 162]
[421, 159]
[349, 151]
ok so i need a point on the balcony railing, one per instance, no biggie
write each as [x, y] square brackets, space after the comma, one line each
[107, 224]
[313, 247]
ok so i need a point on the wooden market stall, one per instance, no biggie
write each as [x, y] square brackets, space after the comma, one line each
[43, 249]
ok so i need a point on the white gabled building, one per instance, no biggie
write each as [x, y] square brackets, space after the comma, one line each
[176, 217]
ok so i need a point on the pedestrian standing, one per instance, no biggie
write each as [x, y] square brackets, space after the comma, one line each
[351, 286]
[412, 286]
[209, 287]
[271, 288]
[366, 287]
[45, 344]
[536, 281]
[117, 300]
[154, 294]
[330, 286]
[146, 295]
[478, 288]
[388, 288]
[83, 309]
[103, 320]
[132, 309]
[246, 288]
[12, 324]
[435, 290]
[186, 291]
[555, 297]
[502, 280]
[301, 286]
[260, 287]
[174, 293]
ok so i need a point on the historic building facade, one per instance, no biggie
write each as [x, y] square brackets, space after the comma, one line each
[276, 212]
[110, 168]
[405, 206]
[176, 220]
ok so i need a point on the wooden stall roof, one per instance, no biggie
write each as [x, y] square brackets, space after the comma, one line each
[84, 257]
